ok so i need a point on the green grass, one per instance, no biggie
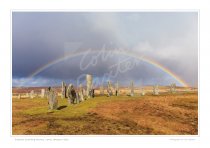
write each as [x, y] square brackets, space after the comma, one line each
[70, 110]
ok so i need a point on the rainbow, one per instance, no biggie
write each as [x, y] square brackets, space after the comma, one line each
[133, 55]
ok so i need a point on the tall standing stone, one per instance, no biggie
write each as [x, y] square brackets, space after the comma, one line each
[52, 99]
[117, 89]
[89, 80]
[77, 99]
[84, 93]
[63, 90]
[173, 88]
[69, 97]
[155, 90]
[42, 93]
[92, 92]
[109, 89]
[71, 94]
[131, 88]
[81, 93]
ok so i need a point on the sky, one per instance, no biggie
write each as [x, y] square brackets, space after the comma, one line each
[51, 47]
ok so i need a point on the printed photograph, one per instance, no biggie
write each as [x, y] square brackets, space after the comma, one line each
[105, 73]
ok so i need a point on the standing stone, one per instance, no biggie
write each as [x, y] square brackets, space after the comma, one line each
[42, 93]
[89, 85]
[92, 92]
[71, 94]
[173, 88]
[77, 99]
[32, 94]
[81, 93]
[132, 89]
[109, 89]
[117, 89]
[52, 99]
[155, 90]
[84, 94]
[63, 90]
[101, 90]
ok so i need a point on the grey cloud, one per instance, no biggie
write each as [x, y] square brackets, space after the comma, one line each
[41, 37]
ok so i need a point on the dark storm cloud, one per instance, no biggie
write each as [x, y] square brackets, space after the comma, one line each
[39, 38]
[168, 38]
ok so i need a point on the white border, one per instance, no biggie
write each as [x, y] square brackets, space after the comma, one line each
[107, 10]
[204, 72]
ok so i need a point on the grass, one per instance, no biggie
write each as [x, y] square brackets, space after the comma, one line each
[171, 114]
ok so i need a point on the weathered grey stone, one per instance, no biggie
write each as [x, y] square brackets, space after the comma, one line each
[109, 89]
[92, 92]
[81, 93]
[71, 94]
[117, 89]
[42, 93]
[52, 99]
[173, 88]
[84, 94]
[89, 85]
[63, 90]
[132, 88]
[155, 90]
[77, 99]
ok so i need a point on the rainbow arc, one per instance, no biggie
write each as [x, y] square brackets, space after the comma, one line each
[133, 55]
